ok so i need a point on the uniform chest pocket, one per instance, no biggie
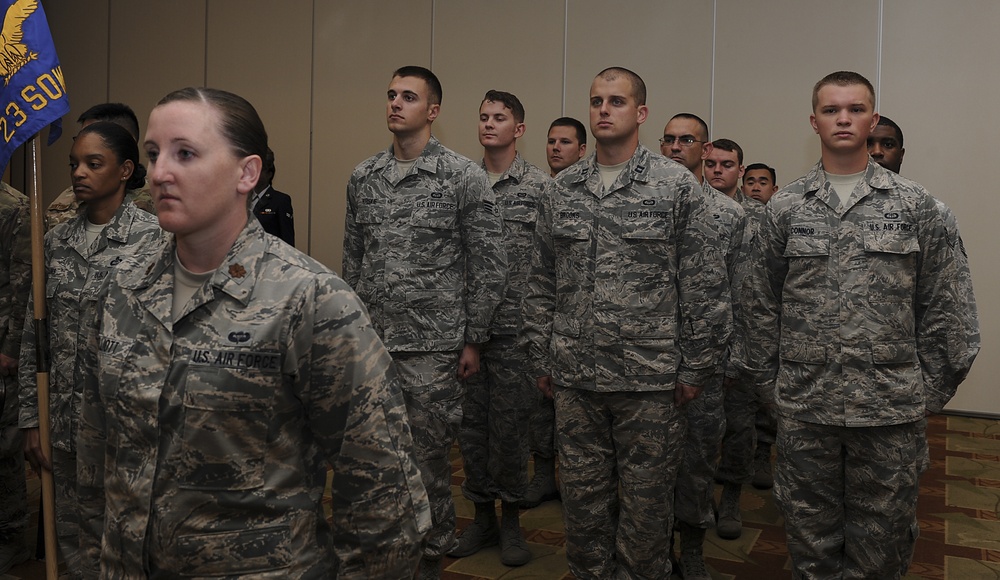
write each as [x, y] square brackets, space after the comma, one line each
[112, 353]
[571, 229]
[899, 243]
[435, 218]
[805, 246]
[892, 265]
[520, 211]
[227, 417]
[370, 213]
[645, 223]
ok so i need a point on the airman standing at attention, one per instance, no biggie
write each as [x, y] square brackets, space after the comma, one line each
[624, 325]
[860, 315]
[423, 248]
[15, 284]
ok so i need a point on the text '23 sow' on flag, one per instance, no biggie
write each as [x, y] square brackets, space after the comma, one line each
[33, 93]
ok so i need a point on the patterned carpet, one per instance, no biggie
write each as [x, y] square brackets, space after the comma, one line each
[959, 521]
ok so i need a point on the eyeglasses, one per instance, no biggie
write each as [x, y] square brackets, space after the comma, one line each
[685, 140]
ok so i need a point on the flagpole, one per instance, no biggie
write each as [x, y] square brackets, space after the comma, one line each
[42, 354]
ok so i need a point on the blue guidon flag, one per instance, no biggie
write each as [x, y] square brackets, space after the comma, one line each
[33, 93]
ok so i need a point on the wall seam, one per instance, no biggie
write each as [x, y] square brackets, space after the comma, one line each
[204, 67]
[107, 81]
[564, 55]
[711, 80]
[433, 7]
[312, 133]
[878, 53]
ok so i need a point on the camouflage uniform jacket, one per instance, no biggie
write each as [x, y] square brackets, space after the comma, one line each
[15, 268]
[753, 208]
[517, 191]
[625, 292]
[971, 311]
[209, 438]
[859, 311]
[73, 277]
[65, 207]
[424, 251]
[733, 231]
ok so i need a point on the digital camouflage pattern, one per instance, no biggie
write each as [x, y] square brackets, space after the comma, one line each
[861, 315]
[541, 430]
[496, 412]
[730, 225]
[15, 285]
[433, 396]
[13, 488]
[494, 438]
[705, 415]
[845, 527]
[865, 309]
[622, 295]
[625, 299]
[65, 207]
[753, 208]
[964, 281]
[704, 426]
[619, 453]
[15, 268]
[74, 274]
[206, 441]
[424, 250]
[744, 399]
[424, 253]
[518, 192]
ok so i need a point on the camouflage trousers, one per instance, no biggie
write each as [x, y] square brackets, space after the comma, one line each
[13, 491]
[542, 426]
[494, 433]
[67, 510]
[433, 398]
[750, 422]
[618, 457]
[849, 497]
[706, 423]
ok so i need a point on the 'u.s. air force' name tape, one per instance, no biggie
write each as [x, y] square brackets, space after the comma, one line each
[268, 362]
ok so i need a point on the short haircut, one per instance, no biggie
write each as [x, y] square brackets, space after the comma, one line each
[729, 145]
[692, 116]
[433, 84]
[892, 124]
[508, 100]
[581, 131]
[118, 113]
[755, 166]
[638, 86]
[843, 78]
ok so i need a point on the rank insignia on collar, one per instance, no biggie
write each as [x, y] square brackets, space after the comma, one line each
[237, 271]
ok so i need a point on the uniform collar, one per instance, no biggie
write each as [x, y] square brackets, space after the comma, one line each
[518, 167]
[637, 170]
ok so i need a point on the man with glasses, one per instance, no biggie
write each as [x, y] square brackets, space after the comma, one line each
[685, 140]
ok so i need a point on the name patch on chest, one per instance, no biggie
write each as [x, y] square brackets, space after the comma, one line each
[265, 362]
[891, 226]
